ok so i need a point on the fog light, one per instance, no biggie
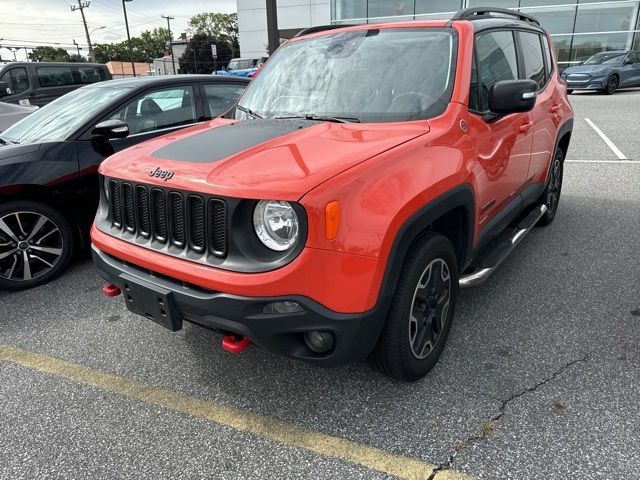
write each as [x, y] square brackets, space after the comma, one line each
[283, 307]
[319, 342]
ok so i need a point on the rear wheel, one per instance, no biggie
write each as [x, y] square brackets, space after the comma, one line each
[421, 312]
[551, 195]
[612, 85]
[36, 243]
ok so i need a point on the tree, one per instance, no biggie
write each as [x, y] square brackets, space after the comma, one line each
[221, 26]
[146, 47]
[200, 44]
[49, 54]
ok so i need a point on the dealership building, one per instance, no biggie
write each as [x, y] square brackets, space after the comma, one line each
[579, 28]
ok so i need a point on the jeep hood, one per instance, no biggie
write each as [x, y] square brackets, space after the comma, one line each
[264, 158]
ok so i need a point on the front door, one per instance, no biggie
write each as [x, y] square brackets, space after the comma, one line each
[502, 146]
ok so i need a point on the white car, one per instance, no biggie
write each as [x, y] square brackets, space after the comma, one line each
[10, 114]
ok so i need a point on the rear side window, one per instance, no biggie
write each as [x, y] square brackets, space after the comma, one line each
[547, 56]
[87, 75]
[496, 53]
[221, 97]
[533, 58]
[54, 76]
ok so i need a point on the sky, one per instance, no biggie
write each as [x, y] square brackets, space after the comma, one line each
[34, 22]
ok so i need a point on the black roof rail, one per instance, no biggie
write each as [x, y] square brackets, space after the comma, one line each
[478, 12]
[319, 28]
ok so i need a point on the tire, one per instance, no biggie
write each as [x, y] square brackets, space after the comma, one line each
[551, 194]
[612, 85]
[36, 244]
[569, 91]
[399, 352]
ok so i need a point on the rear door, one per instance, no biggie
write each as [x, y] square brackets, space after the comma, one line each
[503, 145]
[537, 65]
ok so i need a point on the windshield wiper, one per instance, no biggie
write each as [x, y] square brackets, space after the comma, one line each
[322, 118]
[248, 111]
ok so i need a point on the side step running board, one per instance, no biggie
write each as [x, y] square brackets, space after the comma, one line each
[502, 250]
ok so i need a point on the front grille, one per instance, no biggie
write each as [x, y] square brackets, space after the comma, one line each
[163, 218]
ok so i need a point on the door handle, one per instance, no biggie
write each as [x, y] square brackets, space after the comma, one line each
[524, 128]
[554, 109]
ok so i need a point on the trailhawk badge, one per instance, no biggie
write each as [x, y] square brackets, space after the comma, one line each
[163, 174]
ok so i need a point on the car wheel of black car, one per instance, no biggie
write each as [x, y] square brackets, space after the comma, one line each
[612, 85]
[421, 312]
[551, 195]
[36, 243]
[570, 91]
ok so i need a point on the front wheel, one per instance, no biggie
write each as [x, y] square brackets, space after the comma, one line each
[421, 312]
[36, 243]
[569, 91]
[612, 85]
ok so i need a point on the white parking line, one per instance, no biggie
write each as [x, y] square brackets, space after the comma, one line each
[611, 145]
[637, 162]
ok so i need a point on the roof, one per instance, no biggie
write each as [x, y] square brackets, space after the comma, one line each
[169, 79]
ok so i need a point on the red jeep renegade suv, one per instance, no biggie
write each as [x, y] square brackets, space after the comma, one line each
[366, 174]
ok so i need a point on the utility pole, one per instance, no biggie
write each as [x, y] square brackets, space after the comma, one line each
[26, 54]
[77, 47]
[173, 59]
[81, 6]
[126, 23]
[273, 35]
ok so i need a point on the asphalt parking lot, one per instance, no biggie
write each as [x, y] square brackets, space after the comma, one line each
[540, 377]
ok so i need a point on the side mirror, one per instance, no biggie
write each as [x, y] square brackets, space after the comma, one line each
[4, 89]
[512, 96]
[111, 129]
[628, 61]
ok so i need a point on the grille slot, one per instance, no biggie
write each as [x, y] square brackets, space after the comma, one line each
[159, 204]
[144, 222]
[116, 211]
[218, 227]
[196, 223]
[176, 214]
[129, 207]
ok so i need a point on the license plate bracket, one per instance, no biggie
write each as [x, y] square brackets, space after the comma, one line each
[151, 301]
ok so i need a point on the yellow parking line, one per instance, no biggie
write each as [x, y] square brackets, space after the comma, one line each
[327, 445]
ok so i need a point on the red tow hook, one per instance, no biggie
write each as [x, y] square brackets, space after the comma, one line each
[235, 344]
[110, 290]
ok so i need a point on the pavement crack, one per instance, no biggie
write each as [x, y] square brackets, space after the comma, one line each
[487, 429]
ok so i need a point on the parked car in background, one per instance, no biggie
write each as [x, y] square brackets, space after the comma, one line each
[49, 161]
[242, 67]
[336, 216]
[605, 72]
[36, 83]
[10, 114]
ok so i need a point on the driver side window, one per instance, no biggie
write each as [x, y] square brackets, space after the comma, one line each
[158, 109]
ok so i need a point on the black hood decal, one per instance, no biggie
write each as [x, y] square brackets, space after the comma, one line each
[219, 143]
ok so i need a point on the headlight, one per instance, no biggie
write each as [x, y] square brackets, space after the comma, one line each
[276, 224]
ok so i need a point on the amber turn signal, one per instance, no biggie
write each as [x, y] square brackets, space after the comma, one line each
[332, 215]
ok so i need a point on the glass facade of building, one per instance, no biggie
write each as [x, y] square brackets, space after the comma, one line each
[579, 28]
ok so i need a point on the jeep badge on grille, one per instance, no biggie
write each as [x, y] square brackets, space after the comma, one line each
[163, 174]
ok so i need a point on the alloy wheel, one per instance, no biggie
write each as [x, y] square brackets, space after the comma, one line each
[30, 246]
[612, 86]
[553, 194]
[429, 308]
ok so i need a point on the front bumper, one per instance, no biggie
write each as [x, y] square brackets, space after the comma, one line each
[355, 334]
[591, 83]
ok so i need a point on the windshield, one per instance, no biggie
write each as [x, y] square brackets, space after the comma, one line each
[606, 58]
[55, 121]
[377, 75]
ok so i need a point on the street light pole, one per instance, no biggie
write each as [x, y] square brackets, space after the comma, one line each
[126, 23]
[173, 59]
